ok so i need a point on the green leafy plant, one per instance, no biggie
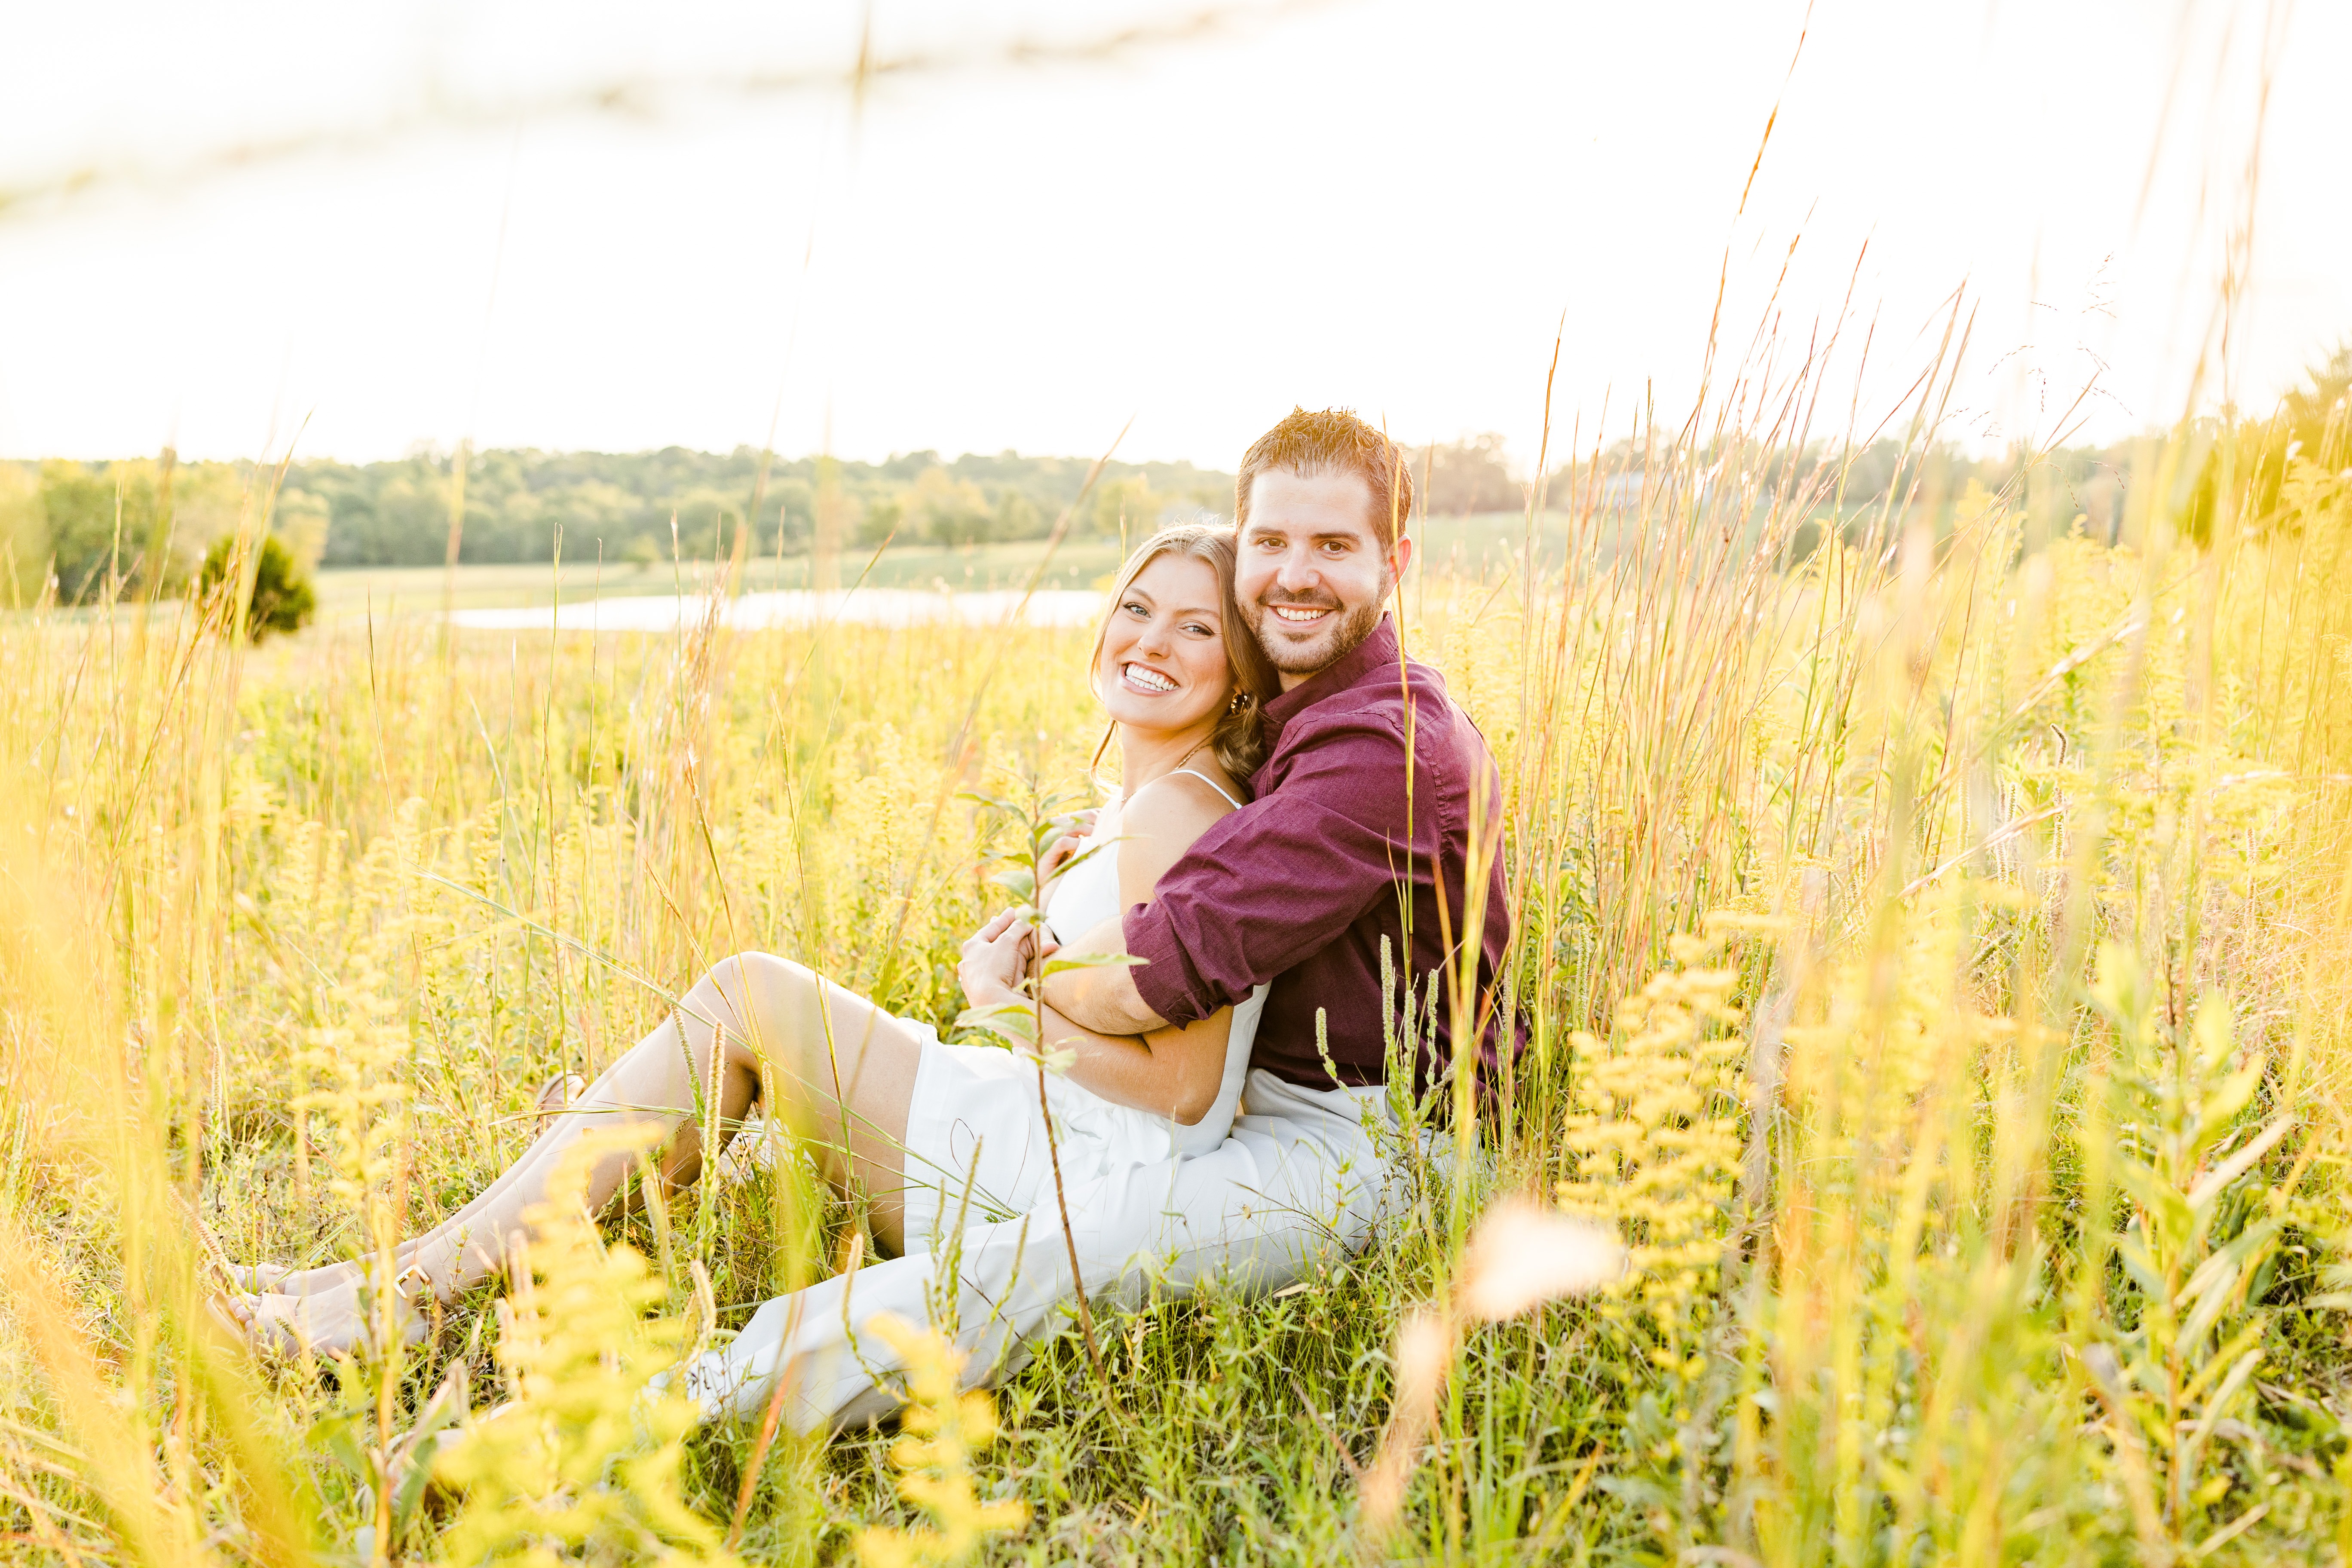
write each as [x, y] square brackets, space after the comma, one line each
[2201, 1236]
[582, 1464]
[942, 1430]
[282, 598]
[1040, 816]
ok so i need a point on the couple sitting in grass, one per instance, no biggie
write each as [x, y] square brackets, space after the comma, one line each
[1294, 814]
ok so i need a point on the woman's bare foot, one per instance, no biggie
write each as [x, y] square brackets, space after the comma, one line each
[255, 1277]
[332, 1322]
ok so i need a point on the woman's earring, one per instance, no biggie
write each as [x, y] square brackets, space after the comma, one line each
[1241, 700]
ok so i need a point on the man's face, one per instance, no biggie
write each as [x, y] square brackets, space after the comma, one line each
[1313, 572]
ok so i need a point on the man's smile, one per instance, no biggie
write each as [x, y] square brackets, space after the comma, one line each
[1301, 615]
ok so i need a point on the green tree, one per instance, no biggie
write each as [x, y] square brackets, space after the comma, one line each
[99, 525]
[1128, 508]
[302, 519]
[1017, 516]
[795, 502]
[879, 518]
[2311, 426]
[949, 511]
[24, 536]
[283, 599]
[207, 499]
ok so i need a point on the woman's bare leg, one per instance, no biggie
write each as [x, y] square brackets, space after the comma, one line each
[843, 1071]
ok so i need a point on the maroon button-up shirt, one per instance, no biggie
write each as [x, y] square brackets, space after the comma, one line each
[1300, 886]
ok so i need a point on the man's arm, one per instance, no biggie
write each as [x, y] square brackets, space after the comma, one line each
[1102, 997]
[1262, 888]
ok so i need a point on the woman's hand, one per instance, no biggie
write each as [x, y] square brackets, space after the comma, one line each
[1058, 853]
[996, 959]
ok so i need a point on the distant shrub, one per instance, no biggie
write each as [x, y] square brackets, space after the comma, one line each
[283, 599]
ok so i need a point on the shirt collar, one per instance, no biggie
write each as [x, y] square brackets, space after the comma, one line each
[1377, 652]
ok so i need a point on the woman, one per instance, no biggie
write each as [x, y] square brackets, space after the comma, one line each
[947, 1140]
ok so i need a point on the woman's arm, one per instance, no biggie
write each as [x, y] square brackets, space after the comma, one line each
[1168, 1071]
[1173, 1071]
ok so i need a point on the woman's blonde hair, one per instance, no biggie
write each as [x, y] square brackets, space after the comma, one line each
[1238, 743]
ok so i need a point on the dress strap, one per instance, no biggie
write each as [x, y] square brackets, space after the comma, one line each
[1207, 780]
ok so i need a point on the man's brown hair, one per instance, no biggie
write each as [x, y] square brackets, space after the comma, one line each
[1332, 441]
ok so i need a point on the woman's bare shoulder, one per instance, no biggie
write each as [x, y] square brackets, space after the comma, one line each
[1160, 821]
[1177, 802]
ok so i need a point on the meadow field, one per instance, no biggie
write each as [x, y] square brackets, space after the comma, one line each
[1933, 951]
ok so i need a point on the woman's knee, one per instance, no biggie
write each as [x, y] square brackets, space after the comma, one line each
[756, 998]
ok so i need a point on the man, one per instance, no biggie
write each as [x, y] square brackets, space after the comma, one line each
[1361, 829]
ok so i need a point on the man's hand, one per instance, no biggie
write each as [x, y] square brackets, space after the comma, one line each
[996, 959]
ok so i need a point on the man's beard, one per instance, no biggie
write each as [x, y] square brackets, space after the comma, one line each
[1342, 634]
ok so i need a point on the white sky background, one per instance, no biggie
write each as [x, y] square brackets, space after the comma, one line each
[1369, 203]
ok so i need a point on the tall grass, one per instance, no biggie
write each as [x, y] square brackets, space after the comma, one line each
[1933, 951]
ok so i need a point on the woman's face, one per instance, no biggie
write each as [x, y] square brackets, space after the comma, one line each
[1163, 652]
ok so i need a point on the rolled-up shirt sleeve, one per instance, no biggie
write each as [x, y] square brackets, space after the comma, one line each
[1278, 879]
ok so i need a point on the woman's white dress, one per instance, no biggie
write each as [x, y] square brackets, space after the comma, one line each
[980, 1202]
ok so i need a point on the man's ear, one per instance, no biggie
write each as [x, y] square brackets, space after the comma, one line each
[1401, 555]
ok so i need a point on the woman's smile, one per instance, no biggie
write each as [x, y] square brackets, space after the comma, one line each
[1162, 657]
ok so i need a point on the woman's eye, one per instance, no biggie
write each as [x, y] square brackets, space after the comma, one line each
[1135, 607]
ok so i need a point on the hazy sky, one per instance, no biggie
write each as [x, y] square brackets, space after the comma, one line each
[1383, 204]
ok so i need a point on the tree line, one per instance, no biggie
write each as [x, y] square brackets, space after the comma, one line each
[142, 525]
[640, 508]
[145, 523]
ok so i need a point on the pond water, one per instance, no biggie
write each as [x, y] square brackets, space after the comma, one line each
[798, 607]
